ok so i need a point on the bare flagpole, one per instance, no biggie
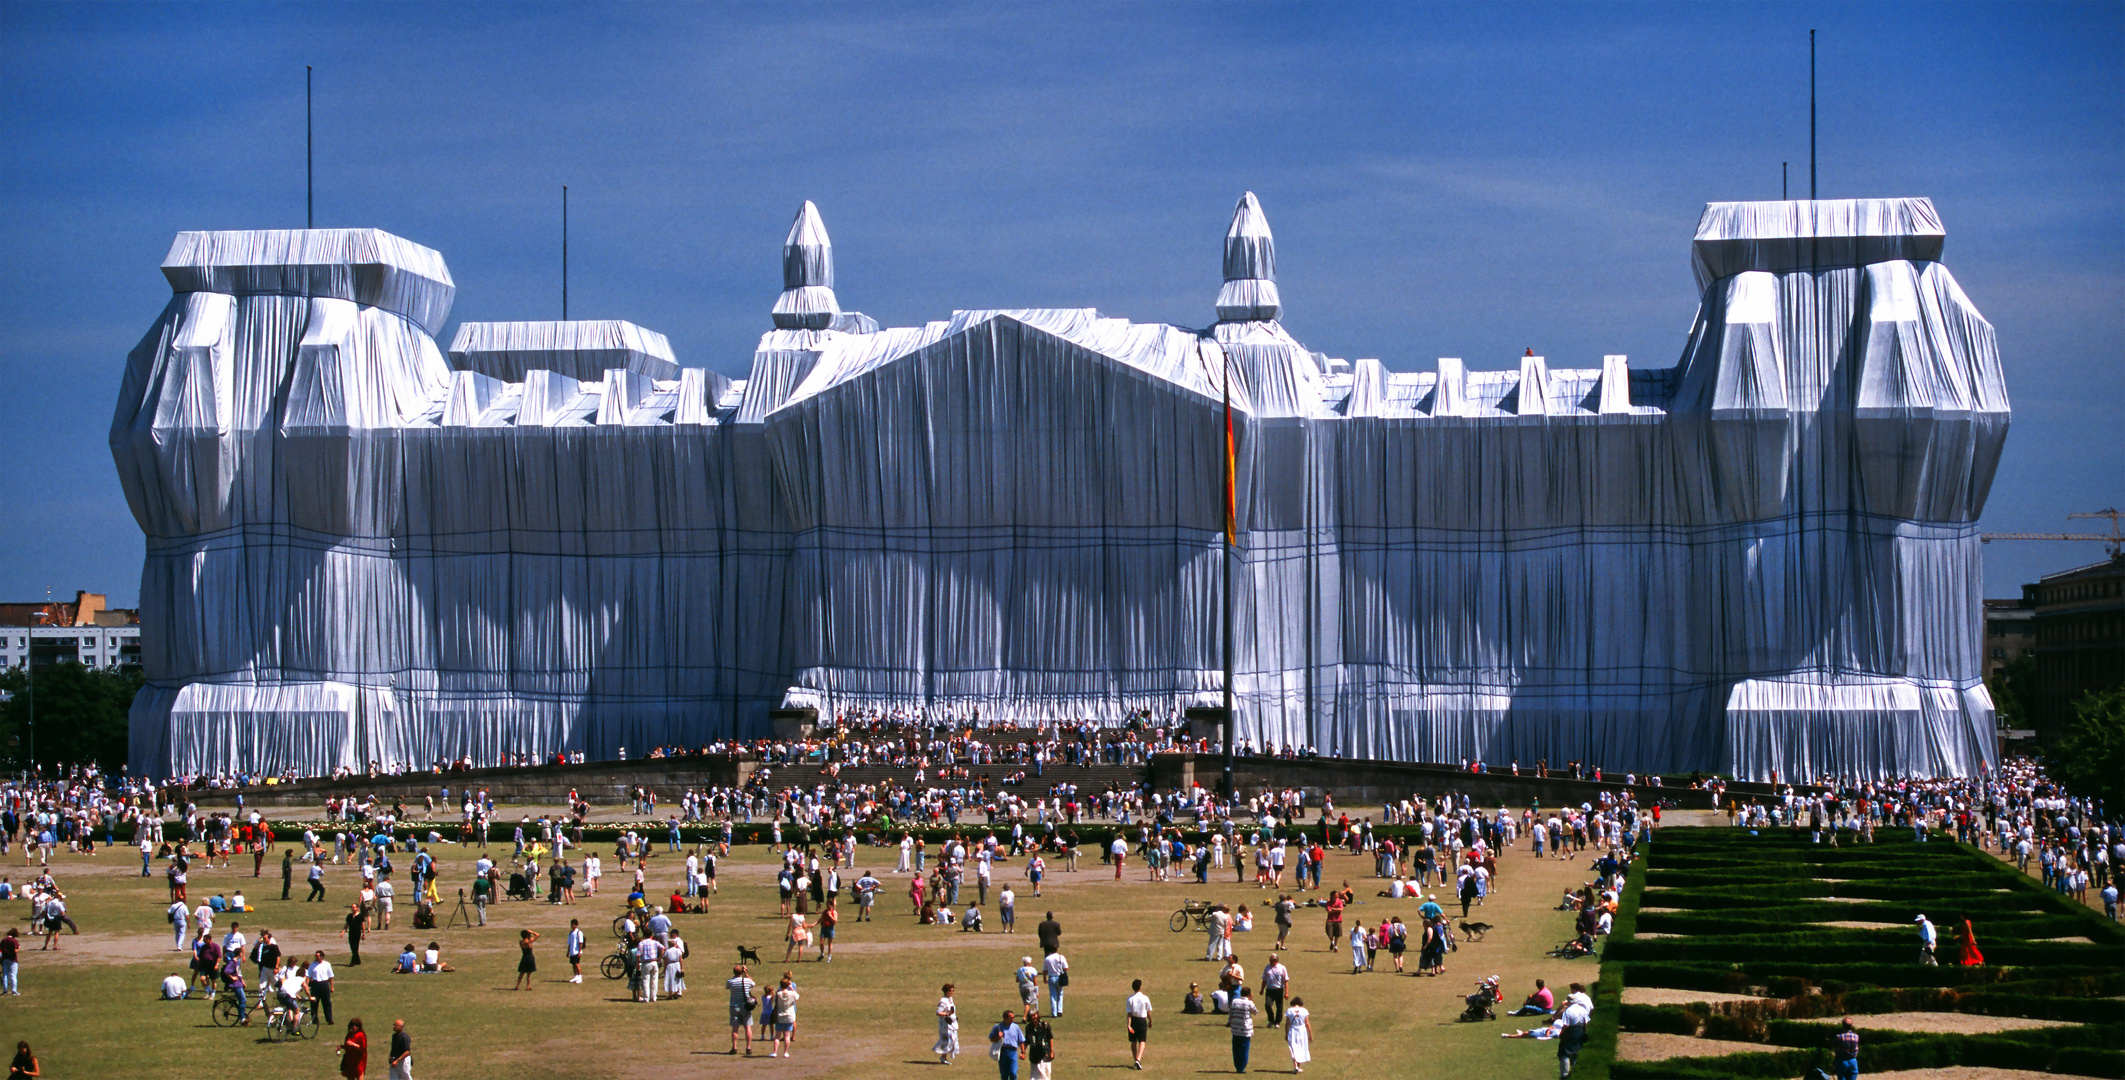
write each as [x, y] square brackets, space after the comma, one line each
[1811, 115]
[309, 157]
[564, 252]
[1231, 552]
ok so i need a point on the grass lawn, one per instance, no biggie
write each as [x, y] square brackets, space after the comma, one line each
[91, 1010]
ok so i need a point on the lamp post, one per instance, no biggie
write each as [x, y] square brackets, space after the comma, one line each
[29, 675]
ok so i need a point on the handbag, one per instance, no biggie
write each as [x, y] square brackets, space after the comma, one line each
[1063, 980]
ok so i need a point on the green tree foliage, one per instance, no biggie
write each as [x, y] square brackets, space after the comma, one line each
[2089, 757]
[80, 712]
[2011, 688]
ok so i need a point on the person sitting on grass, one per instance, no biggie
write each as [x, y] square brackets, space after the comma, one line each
[1539, 1003]
[408, 962]
[174, 988]
[432, 960]
[1192, 1005]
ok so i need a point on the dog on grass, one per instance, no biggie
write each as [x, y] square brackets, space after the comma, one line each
[1474, 931]
[748, 956]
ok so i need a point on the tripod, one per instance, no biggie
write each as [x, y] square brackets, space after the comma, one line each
[459, 912]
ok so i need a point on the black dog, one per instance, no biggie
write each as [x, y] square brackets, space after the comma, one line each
[748, 956]
[1474, 931]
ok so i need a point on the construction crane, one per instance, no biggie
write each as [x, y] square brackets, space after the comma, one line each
[2113, 540]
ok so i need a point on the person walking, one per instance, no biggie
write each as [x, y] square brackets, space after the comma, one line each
[1028, 979]
[10, 964]
[741, 1008]
[1138, 1010]
[574, 947]
[320, 980]
[401, 1059]
[287, 872]
[1357, 947]
[947, 1046]
[1056, 969]
[1298, 1034]
[317, 880]
[354, 1051]
[179, 915]
[1846, 1051]
[1275, 977]
[1007, 1043]
[357, 923]
[1578, 1009]
[1239, 1016]
[1928, 938]
[526, 964]
[1040, 1047]
[785, 1019]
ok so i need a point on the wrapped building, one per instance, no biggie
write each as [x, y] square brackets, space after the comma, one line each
[363, 548]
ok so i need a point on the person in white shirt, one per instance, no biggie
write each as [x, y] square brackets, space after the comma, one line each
[179, 916]
[1056, 969]
[674, 969]
[174, 988]
[1578, 1009]
[647, 964]
[1028, 979]
[1138, 1008]
[575, 950]
[233, 942]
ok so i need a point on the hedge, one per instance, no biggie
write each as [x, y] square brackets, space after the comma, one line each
[1746, 901]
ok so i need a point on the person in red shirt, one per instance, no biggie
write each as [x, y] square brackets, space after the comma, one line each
[354, 1051]
[1335, 920]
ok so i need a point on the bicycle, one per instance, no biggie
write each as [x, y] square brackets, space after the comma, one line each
[304, 1026]
[618, 965]
[222, 1008]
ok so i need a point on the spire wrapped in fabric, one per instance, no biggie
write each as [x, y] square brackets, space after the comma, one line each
[1249, 293]
[807, 301]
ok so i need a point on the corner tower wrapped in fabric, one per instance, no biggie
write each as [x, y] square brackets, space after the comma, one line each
[559, 537]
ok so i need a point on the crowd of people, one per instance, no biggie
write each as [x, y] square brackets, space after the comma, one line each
[1441, 851]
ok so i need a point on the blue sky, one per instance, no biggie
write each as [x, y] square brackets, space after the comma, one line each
[1443, 181]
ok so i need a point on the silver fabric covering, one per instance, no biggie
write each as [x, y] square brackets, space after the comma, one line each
[1761, 559]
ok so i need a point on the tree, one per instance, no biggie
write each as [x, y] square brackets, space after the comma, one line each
[2011, 688]
[2089, 756]
[80, 713]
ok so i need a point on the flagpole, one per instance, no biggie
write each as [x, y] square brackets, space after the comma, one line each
[1230, 553]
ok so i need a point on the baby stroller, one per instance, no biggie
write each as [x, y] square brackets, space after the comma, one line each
[1483, 1004]
[519, 887]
